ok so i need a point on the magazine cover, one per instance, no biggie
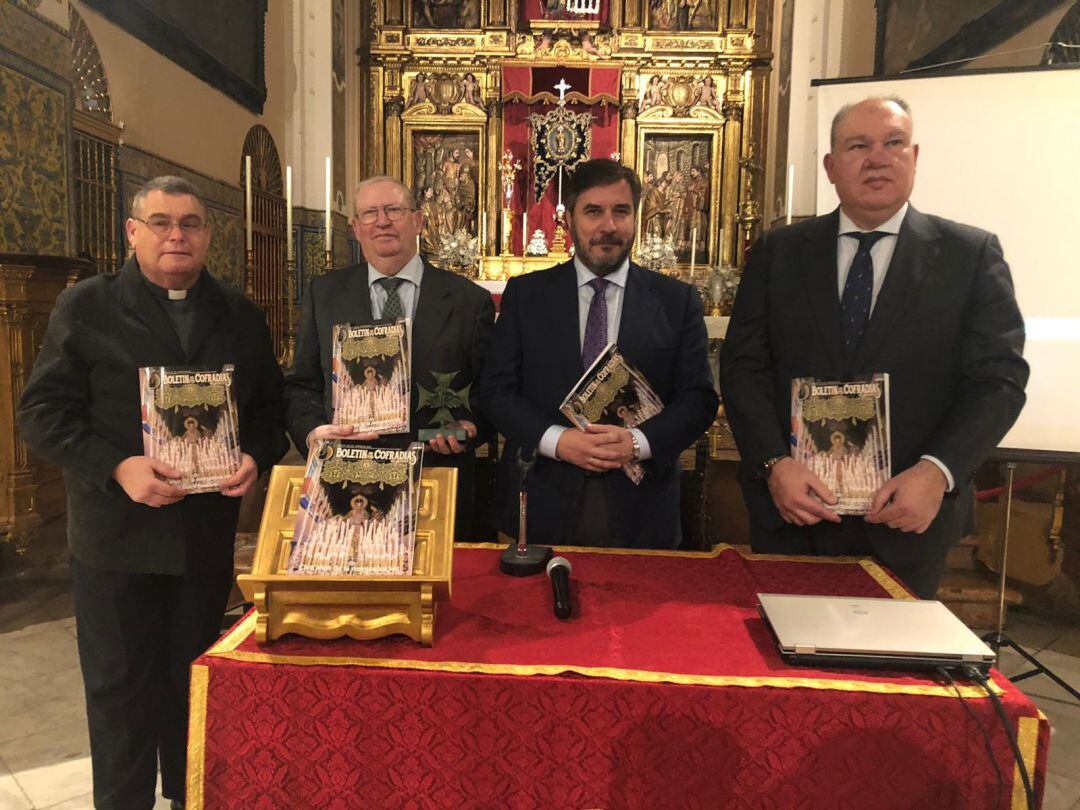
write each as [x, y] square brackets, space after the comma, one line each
[840, 430]
[370, 375]
[189, 421]
[612, 392]
[358, 510]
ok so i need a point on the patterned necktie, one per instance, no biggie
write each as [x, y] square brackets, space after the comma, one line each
[858, 292]
[391, 308]
[595, 323]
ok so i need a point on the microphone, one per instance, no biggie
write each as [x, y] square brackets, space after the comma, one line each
[558, 570]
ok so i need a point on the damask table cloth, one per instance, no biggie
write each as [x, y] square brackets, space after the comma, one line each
[664, 690]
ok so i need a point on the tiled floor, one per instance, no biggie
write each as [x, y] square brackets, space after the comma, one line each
[44, 751]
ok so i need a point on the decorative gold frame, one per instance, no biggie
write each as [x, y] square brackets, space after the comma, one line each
[651, 127]
[359, 607]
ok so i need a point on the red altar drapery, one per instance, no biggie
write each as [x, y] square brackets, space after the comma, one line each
[527, 90]
[665, 690]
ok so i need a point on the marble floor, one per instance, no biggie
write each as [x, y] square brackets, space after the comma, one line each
[44, 751]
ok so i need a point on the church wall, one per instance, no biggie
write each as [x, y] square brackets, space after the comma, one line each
[35, 134]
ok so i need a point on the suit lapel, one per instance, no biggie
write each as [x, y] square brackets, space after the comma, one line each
[211, 309]
[916, 249]
[563, 329]
[821, 285]
[433, 309]
[140, 304]
[640, 310]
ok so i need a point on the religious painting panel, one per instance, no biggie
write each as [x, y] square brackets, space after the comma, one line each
[680, 174]
[682, 15]
[444, 165]
[441, 14]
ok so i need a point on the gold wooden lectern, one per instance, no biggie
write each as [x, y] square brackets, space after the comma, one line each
[358, 607]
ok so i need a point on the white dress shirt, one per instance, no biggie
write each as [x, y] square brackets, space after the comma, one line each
[614, 293]
[409, 292]
[881, 256]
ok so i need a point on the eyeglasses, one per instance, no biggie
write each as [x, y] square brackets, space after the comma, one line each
[163, 226]
[394, 213]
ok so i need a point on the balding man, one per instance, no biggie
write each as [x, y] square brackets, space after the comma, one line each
[452, 321]
[926, 300]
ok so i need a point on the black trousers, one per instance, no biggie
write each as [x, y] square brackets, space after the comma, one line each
[138, 634]
[846, 538]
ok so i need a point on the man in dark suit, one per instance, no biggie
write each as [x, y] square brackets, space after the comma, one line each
[875, 286]
[151, 568]
[452, 319]
[552, 324]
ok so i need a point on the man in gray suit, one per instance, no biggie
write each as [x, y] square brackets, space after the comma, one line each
[875, 286]
[452, 321]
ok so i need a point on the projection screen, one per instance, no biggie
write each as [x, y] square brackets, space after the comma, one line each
[1001, 150]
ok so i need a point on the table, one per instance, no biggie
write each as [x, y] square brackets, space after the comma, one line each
[665, 690]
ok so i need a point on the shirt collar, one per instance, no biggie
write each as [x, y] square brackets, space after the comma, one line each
[891, 225]
[585, 275]
[412, 271]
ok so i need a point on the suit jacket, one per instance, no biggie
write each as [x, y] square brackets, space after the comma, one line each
[535, 360]
[945, 327]
[81, 412]
[450, 332]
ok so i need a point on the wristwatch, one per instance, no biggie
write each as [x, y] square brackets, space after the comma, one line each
[637, 447]
[767, 466]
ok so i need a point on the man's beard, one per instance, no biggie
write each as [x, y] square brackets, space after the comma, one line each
[600, 266]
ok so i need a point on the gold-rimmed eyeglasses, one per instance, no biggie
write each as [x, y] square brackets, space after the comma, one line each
[163, 226]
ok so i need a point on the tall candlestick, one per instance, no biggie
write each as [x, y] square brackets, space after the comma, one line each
[693, 252]
[560, 185]
[288, 214]
[790, 191]
[329, 232]
[247, 198]
[524, 231]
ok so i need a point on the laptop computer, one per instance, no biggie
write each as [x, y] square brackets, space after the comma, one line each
[838, 631]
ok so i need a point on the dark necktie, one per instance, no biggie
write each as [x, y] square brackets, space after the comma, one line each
[595, 323]
[391, 308]
[858, 292]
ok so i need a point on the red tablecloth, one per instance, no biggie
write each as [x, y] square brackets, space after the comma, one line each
[665, 690]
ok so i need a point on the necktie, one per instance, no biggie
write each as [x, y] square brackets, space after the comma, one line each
[858, 291]
[391, 308]
[595, 323]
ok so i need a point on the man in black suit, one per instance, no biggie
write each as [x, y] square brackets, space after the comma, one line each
[151, 568]
[875, 286]
[549, 331]
[452, 320]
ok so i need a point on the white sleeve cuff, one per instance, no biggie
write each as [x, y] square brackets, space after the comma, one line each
[550, 441]
[643, 445]
[945, 471]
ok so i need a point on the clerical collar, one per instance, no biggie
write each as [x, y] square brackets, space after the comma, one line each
[891, 225]
[174, 295]
[412, 271]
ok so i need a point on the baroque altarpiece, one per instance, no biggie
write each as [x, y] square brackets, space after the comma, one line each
[484, 106]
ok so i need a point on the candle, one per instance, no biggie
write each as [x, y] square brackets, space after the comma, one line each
[288, 214]
[560, 185]
[524, 231]
[790, 190]
[483, 234]
[247, 197]
[329, 232]
[720, 248]
[746, 82]
[693, 252]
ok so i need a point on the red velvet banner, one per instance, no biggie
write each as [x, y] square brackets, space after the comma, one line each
[664, 690]
[530, 90]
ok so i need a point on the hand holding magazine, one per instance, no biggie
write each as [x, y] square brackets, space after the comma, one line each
[612, 392]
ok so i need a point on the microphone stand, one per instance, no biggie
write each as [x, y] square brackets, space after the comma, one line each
[523, 560]
[999, 639]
